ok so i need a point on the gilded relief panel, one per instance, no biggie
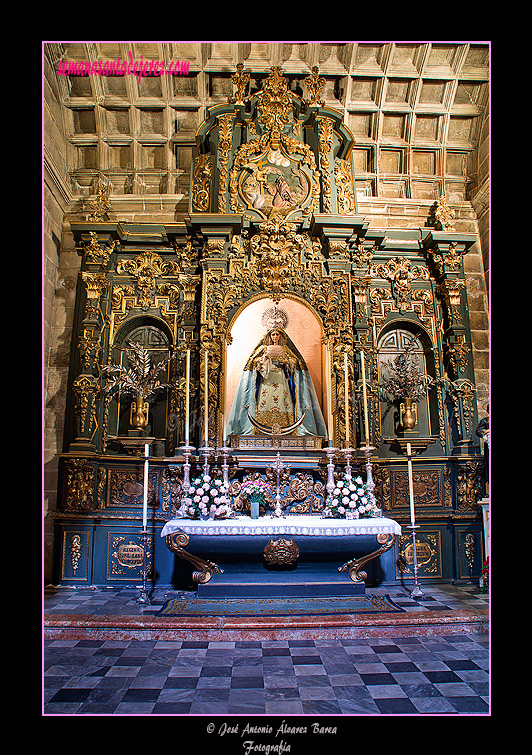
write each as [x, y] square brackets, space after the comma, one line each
[75, 558]
[428, 555]
[125, 488]
[125, 556]
[428, 488]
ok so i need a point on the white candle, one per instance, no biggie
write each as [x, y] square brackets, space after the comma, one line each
[145, 496]
[206, 399]
[346, 392]
[187, 401]
[410, 484]
[366, 423]
[329, 397]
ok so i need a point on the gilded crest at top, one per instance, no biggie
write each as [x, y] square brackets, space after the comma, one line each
[271, 153]
[275, 101]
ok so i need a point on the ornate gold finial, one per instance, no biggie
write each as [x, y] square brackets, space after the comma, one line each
[101, 205]
[275, 101]
[315, 84]
[444, 215]
[240, 79]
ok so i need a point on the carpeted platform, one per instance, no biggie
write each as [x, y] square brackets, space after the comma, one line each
[279, 607]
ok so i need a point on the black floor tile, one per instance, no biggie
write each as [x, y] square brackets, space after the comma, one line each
[373, 679]
[395, 705]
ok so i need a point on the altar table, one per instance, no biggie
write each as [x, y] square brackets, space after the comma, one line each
[246, 544]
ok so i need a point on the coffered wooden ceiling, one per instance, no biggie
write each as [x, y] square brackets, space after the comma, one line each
[418, 112]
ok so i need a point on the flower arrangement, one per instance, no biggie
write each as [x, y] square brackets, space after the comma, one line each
[485, 576]
[406, 380]
[255, 487]
[206, 497]
[351, 499]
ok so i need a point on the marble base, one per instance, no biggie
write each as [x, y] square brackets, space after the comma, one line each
[229, 629]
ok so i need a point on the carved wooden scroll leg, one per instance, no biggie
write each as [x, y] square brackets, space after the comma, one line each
[177, 542]
[354, 566]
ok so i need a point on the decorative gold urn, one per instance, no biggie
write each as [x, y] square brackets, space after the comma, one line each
[408, 414]
[138, 417]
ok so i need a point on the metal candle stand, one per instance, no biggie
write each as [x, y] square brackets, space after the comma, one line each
[278, 511]
[187, 453]
[225, 451]
[144, 598]
[330, 469]
[416, 591]
[206, 452]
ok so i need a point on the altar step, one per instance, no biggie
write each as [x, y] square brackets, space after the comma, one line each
[254, 580]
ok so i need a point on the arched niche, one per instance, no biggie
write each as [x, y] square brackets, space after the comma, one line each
[154, 335]
[392, 341]
[246, 330]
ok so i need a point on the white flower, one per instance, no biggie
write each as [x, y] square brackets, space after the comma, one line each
[340, 484]
[352, 487]
[364, 500]
[205, 499]
[218, 483]
[358, 480]
[352, 505]
[341, 510]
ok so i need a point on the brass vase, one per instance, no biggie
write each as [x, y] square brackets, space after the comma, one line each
[408, 414]
[139, 413]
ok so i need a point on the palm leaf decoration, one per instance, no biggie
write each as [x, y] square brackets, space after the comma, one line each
[406, 379]
[140, 378]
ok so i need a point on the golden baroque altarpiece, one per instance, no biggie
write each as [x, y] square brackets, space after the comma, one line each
[273, 216]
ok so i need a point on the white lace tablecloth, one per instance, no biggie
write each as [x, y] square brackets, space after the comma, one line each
[290, 525]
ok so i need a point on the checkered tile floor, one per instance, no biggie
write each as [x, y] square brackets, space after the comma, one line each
[401, 675]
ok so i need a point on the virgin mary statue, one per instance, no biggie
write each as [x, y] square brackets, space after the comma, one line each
[276, 386]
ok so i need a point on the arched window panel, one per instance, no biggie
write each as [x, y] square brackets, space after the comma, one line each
[154, 337]
[391, 344]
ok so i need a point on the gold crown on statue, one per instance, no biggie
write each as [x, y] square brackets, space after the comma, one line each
[275, 317]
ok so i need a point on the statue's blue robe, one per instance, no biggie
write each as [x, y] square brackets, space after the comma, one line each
[239, 423]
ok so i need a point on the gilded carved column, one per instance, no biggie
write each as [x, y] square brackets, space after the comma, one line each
[445, 250]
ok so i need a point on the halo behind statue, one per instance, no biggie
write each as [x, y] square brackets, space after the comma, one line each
[275, 317]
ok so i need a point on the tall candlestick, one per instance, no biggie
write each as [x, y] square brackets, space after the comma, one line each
[365, 396]
[416, 591]
[187, 401]
[346, 392]
[410, 484]
[206, 399]
[145, 496]
[329, 397]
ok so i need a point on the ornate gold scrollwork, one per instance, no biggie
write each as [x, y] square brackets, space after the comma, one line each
[85, 388]
[343, 176]
[469, 485]
[354, 566]
[94, 253]
[401, 273]
[177, 542]
[201, 182]
[315, 84]
[79, 485]
[146, 268]
[445, 215]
